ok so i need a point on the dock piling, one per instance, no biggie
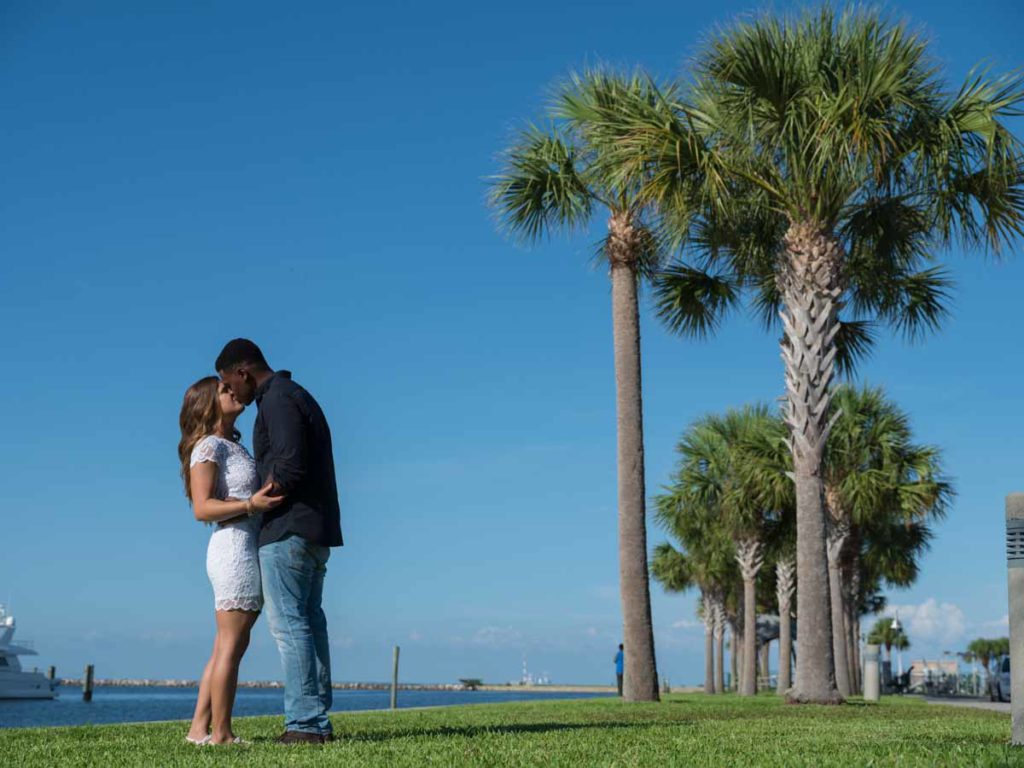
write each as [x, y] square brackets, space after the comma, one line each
[394, 680]
[87, 683]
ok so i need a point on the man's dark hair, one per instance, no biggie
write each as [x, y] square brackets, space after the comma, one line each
[620, 646]
[240, 352]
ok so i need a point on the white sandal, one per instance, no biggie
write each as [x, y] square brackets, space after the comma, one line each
[199, 742]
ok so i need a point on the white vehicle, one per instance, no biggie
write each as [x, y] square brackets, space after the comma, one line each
[999, 681]
[15, 683]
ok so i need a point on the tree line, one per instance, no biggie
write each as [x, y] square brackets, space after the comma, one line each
[730, 510]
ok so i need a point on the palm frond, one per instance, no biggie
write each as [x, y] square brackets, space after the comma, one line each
[854, 341]
[542, 185]
[691, 301]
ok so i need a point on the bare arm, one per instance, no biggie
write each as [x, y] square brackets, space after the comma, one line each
[209, 509]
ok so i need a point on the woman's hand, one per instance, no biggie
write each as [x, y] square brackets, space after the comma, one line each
[263, 501]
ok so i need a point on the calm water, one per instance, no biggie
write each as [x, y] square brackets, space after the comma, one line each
[122, 705]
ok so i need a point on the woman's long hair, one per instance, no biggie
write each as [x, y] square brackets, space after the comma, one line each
[200, 416]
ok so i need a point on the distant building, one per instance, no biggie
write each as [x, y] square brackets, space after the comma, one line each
[924, 671]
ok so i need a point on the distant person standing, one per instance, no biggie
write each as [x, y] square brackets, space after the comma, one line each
[292, 443]
[620, 667]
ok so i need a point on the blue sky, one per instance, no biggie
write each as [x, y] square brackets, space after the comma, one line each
[313, 177]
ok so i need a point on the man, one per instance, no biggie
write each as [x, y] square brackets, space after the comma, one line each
[292, 443]
[620, 667]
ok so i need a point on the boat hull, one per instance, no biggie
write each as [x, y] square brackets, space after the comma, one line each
[26, 685]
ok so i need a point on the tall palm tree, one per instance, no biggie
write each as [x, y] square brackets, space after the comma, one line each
[818, 164]
[559, 178]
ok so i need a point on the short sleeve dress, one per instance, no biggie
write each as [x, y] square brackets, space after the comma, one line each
[232, 559]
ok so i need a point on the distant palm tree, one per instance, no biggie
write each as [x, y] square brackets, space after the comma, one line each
[730, 489]
[883, 634]
[986, 649]
[785, 581]
[558, 178]
[709, 557]
[819, 163]
[766, 466]
[670, 568]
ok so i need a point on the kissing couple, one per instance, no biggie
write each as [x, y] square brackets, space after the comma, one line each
[274, 519]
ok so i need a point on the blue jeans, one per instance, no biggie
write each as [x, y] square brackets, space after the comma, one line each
[293, 581]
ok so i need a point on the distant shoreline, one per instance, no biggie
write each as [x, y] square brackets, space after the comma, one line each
[145, 683]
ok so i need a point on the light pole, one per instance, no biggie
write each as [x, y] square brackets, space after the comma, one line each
[896, 627]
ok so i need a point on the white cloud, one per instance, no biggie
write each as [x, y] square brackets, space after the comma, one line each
[1001, 624]
[688, 624]
[931, 621]
[415, 636]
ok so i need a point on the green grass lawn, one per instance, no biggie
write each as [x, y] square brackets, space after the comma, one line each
[690, 729]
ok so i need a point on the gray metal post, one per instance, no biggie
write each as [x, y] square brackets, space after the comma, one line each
[872, 681]
[394, 681]
[1015, 584]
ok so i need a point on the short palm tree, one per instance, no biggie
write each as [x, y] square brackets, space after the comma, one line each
[785, 590]
[723, 475]
[671, 569]
[705, 558]
[766, 466]
[818, 164]
[882, 633]
[873, 476]
[710, 477]
[559, 178]
[986, 649]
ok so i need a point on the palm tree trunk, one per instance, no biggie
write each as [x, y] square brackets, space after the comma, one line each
[709, 645]
[641, 673]
[851, 648]
[853, 604]
[837, 536]
[785, 573]
[709, 660]
[764, 660]
[720, 647]
[850, 590]
[748, 555]
[857, 656]
[735, 656]
[809, 282]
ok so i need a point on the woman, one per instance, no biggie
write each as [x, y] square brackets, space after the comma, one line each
[221, 482]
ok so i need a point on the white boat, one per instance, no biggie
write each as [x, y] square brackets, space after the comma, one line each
[15, 683]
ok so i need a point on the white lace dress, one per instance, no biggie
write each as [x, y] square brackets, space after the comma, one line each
[232, 562]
